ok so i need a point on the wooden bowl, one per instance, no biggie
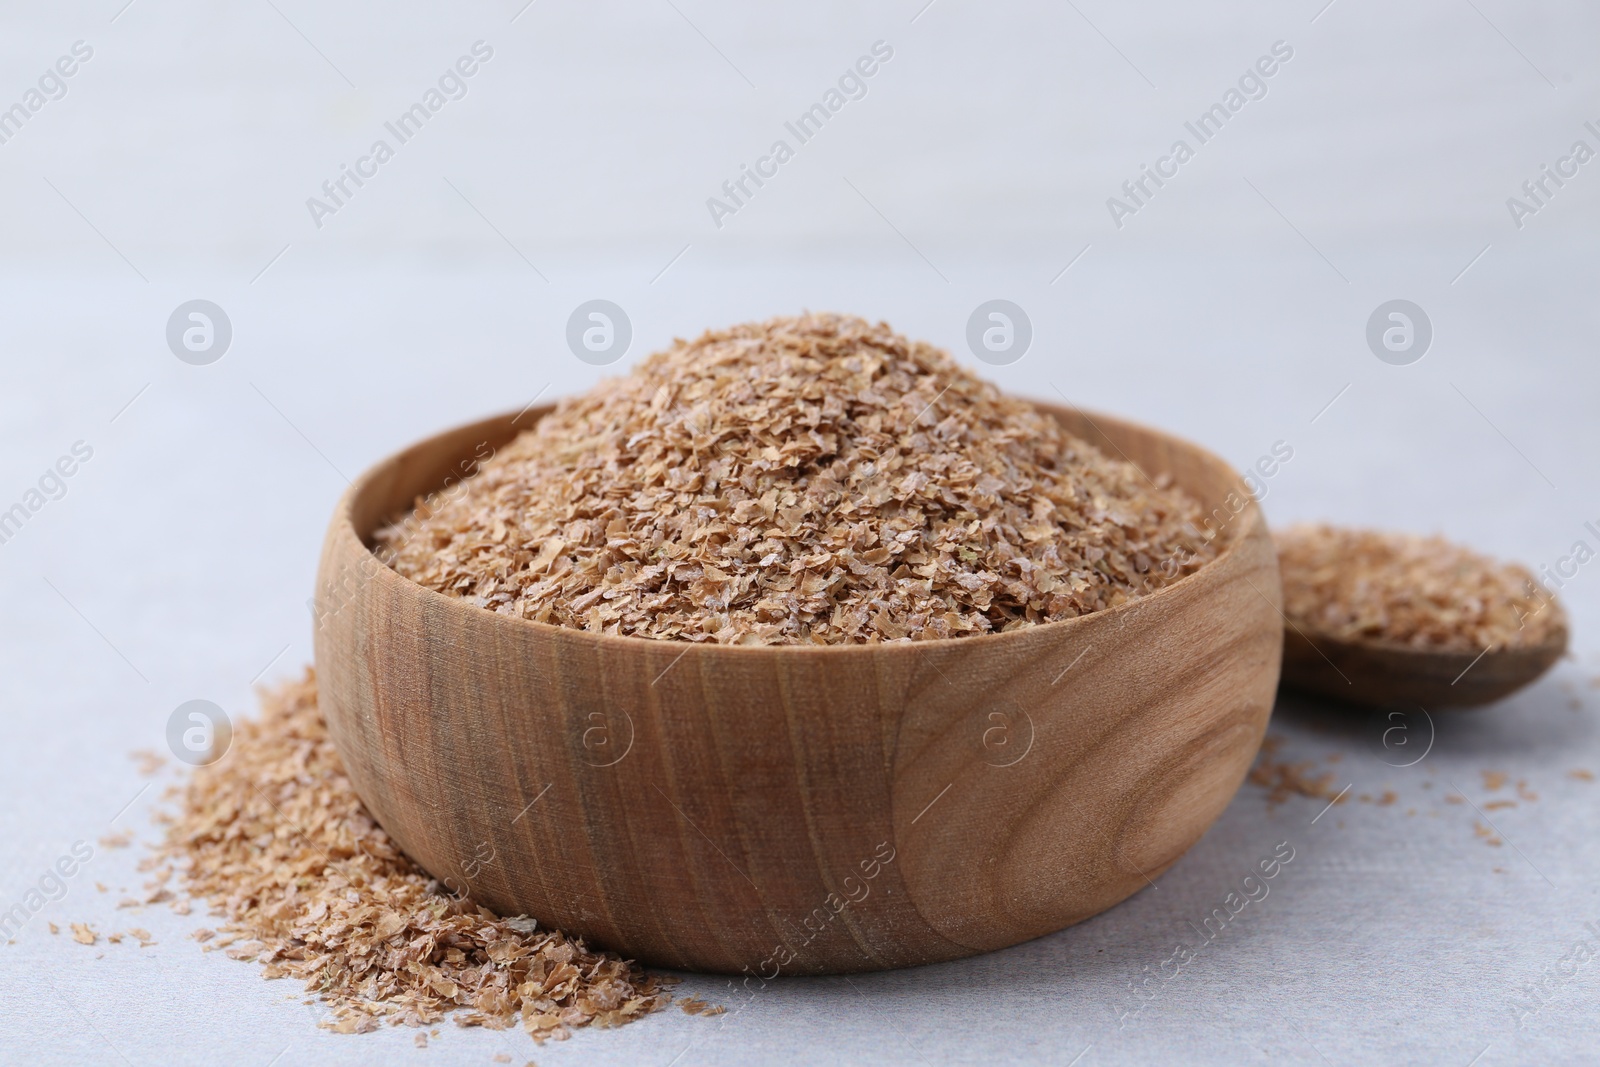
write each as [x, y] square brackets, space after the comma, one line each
[797, 810]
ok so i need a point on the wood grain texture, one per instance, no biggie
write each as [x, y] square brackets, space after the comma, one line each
[795, 809]
[1388, 675]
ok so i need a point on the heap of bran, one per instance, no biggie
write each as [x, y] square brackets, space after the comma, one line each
[802, 480]
[1424, 592]
[308, 885]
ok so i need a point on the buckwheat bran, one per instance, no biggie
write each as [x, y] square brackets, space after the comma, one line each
[802, 480]
[1424, 592]
[310, 887]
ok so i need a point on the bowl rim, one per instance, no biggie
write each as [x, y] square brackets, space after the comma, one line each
[344, 523]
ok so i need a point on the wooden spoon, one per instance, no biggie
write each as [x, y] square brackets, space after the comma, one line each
[1389, 674]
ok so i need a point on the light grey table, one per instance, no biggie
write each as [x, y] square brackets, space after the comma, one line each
[1230, 308]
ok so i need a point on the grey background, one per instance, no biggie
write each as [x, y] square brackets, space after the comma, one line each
[1231, 309]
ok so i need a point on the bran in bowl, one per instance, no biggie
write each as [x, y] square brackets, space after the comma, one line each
[816, 479]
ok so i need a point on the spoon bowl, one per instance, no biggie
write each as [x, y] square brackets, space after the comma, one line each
[1390, 674]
